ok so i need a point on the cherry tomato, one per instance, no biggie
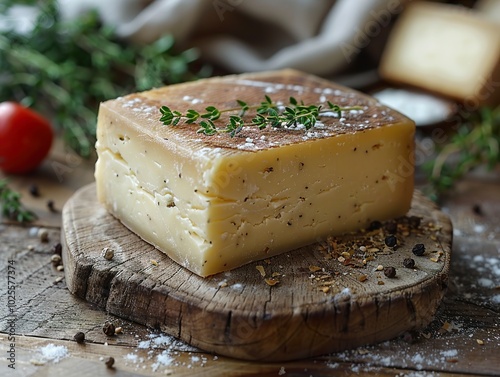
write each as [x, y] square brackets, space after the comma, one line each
[25, 138]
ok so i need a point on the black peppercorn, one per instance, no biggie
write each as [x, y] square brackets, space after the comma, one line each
[410, 337]
[79, 337]
[409, 263]
[57, 248]
[391, 241]
[374, 225]
[418, 249]
[110, 361]
[109, 329]
[34, 191]
[390, 272]
[476, 208]
[50, 206]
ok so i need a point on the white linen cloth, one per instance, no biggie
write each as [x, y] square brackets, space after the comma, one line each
[317, 36]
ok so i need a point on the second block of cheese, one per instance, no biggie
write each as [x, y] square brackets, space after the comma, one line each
[213, 203]
[445, 49]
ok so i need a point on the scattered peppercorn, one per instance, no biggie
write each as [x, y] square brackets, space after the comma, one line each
[56, 260]
[410, 337]
[50, 206]
[108, 253]
[109, 329]
[418, 249]
[374, 225]
[79, 337]
[390, 272]
[110, 362]
[391, 241]
[34, 191]
[57, 248]
[477, 210]
[409, 263]
[43, 234]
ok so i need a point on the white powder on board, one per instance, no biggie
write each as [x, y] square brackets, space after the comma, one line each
[422, 108]
[131, 357]
[162, 351]
[369, 358]
[495, 299]
[163, 359]
[52, 352]
[450, 353]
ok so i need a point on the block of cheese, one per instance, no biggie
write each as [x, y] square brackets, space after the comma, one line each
[213, 203]
[445, 49]
[489, 9]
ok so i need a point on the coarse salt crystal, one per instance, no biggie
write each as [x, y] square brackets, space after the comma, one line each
[162, 340]
[192, 99]
[450, 353]
[144, 344]
[484, 282]
[52, 352]
[479, 228]
[131, 357]
[333, 114]
[246, 145]
[164, 359]
[478, 258]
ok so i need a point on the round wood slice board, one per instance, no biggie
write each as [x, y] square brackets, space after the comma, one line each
[329, 296]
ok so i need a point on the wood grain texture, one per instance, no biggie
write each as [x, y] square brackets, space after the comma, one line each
[236, 313]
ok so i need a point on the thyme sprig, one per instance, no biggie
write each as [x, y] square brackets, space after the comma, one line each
[267, 113]
[11, 205]
[476, 143]
[64, 69]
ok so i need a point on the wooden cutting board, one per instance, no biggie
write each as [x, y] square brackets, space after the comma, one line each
[323, 298]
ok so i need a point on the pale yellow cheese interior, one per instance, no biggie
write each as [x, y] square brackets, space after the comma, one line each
[212, 209]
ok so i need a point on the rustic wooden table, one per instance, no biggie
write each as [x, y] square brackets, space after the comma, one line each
[38, 326]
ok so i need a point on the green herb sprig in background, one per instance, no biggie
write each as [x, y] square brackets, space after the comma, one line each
[65, 69]
[10, 203]
[475, 144]
[268, 113]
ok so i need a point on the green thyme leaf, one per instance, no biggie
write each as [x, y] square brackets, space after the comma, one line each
[207, 127]
[266, 114]
[11, 205]
[476, 143]
[65, 69]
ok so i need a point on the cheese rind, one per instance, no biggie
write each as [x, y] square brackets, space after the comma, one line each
[213, 203]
